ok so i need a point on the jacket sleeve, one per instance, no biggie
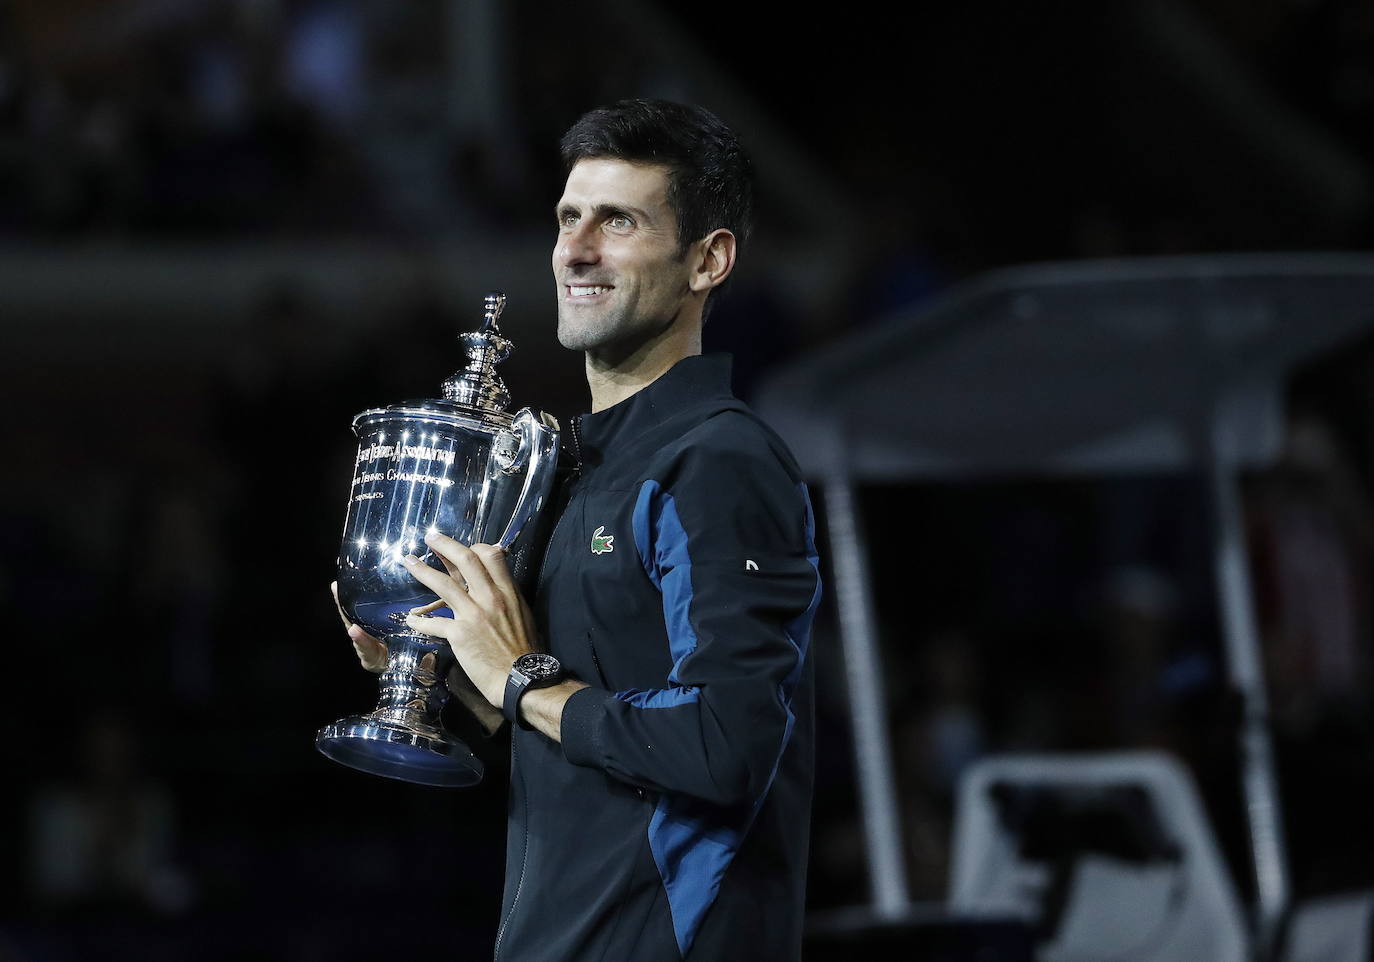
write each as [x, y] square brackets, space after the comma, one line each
[728, 538]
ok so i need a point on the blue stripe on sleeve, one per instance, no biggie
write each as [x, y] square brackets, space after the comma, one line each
[662, 544]
[692, 841]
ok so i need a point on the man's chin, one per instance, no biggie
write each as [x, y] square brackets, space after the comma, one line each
[577, 340]
[582, 336]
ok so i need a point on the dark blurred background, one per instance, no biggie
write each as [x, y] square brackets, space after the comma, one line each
[226, 226]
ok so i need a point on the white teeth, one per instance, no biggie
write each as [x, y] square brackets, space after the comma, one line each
[586, 291]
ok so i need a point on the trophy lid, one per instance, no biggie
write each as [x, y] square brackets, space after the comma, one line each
[474, 391]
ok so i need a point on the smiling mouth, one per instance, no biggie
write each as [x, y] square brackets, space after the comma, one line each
[576, 290]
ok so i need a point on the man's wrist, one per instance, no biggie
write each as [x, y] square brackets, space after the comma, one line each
[543, 707]
[494, 688]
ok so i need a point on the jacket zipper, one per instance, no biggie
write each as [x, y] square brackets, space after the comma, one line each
[525, 852]
[524, 858]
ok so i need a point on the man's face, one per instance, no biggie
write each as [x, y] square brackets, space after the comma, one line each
[620, 278]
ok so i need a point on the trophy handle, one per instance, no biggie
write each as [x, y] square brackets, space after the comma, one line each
[538, 457]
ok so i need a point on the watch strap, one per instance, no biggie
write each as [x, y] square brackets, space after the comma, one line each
[516, 686]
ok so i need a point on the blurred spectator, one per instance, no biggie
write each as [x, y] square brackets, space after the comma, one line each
[1311, 538]
[1311, 531]
[325, 60]
[1151, 677]
[939, 729]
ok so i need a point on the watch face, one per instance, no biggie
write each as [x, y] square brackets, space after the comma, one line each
[537, 665]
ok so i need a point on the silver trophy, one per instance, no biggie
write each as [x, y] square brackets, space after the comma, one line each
[460, 466]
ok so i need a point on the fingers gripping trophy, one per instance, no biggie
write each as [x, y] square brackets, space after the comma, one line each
[460, 466]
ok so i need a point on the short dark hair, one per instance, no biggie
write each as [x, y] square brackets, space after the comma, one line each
[710, 176]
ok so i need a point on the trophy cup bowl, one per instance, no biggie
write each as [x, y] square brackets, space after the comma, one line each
[459, 466]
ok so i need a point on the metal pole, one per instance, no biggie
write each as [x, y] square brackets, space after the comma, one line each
[868, 710]
[1259, 784]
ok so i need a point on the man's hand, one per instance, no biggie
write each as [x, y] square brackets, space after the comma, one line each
[371, 651]
[372, 655]
[491, 624]
[490, 628]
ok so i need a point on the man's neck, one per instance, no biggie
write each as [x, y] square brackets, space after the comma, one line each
[613, 380]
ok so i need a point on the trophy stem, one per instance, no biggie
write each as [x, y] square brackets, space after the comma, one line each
[404, 736]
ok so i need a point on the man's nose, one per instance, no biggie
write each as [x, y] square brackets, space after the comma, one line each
[578, 246]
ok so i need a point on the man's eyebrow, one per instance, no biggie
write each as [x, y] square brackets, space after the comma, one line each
[602, 211]
[609, 210]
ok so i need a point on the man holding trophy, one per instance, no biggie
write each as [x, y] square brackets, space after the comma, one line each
[658, 681]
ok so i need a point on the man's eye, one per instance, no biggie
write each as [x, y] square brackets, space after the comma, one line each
[567, 219]
[619, 222]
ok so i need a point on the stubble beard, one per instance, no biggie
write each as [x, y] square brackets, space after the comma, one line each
[580, 331]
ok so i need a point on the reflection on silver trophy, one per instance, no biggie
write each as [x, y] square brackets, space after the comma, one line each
[461, 466]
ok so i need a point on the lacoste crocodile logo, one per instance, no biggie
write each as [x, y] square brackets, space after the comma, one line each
[602, 543]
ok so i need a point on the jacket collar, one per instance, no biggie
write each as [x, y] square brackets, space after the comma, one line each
[689, 382]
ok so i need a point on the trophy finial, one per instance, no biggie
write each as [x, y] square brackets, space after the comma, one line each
[495, 303]
[477, 385]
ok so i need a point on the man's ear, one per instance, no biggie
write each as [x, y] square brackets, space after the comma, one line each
[715, 259]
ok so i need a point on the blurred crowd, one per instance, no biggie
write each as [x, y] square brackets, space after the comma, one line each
[213, 121]
[285, 118]
[321, 117]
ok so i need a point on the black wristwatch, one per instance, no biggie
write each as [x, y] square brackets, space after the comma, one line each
[534, 670]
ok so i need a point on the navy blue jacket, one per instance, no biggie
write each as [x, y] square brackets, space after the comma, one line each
[680, 583]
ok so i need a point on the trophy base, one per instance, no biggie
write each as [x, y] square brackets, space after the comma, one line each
[384, 748]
